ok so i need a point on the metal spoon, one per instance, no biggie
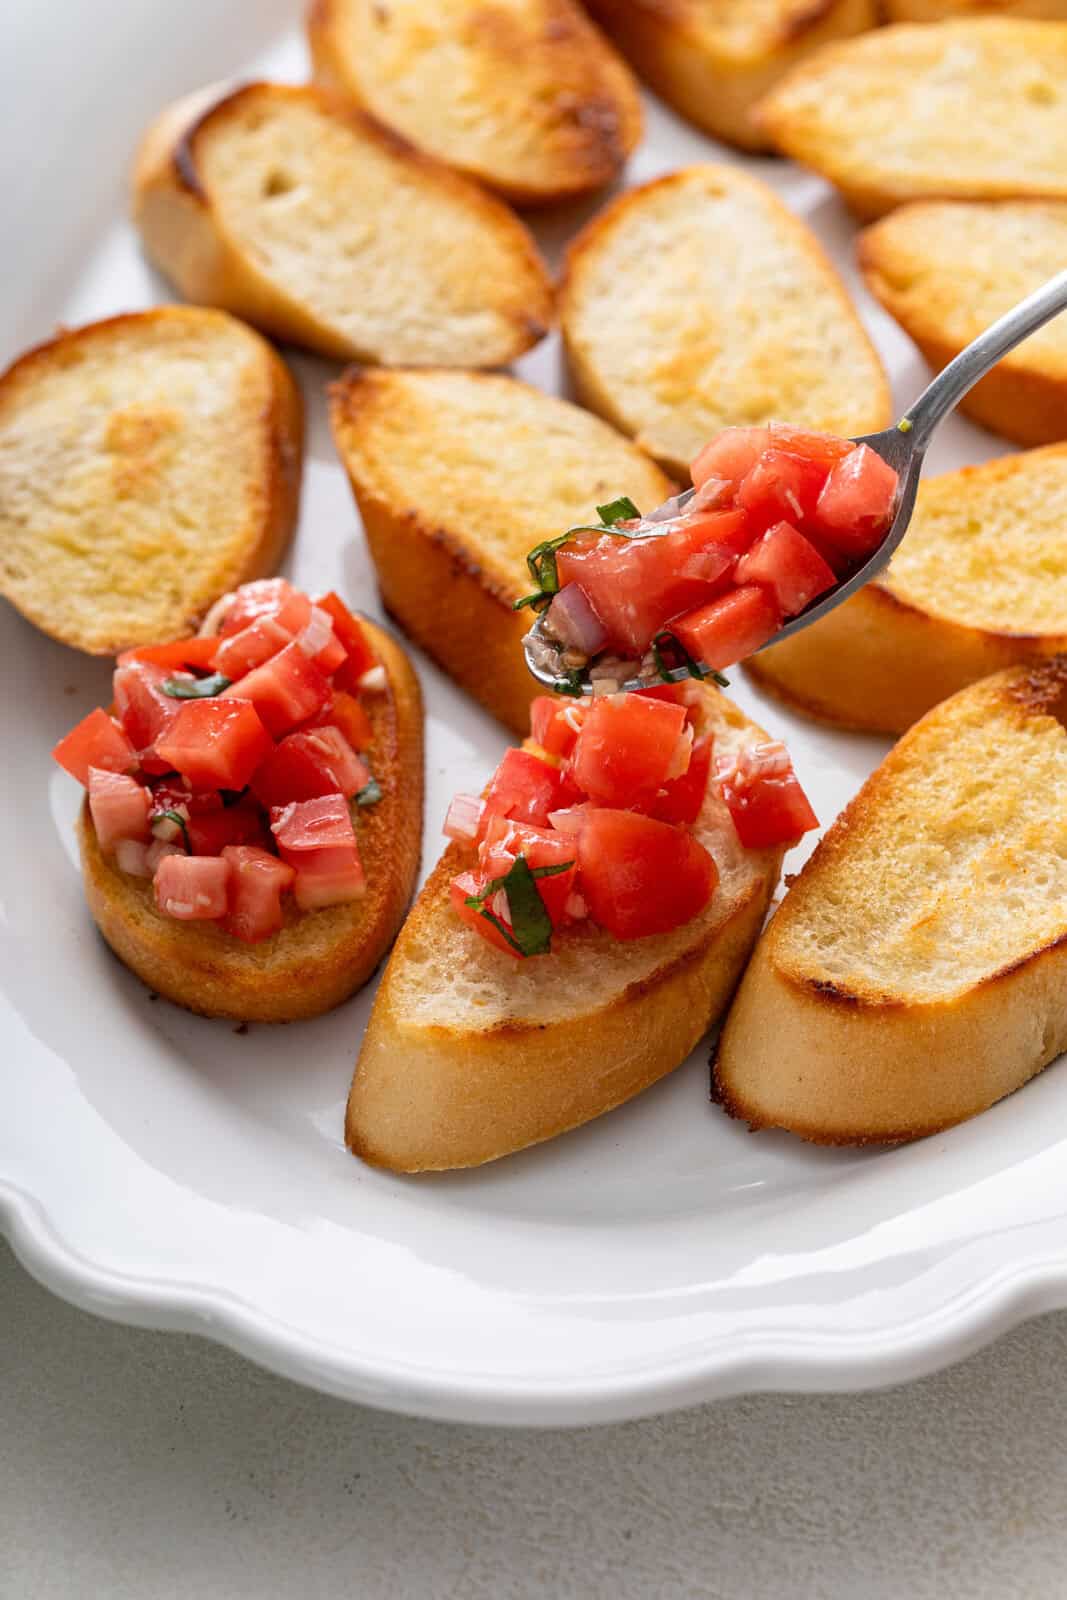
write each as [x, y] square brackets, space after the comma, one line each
[903, 447]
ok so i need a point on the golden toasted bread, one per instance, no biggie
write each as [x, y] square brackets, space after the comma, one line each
[712, 60]
[322, 228]
[698, 301]
[457, 476]
[947, 270]
[979, 583]
[470, 1055]
[524, 95]
[148, 463]
[968, 110]
[916, 971]
[947, 10]
[318, 958]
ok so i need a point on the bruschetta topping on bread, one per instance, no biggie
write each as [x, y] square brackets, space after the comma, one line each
[228, 768]
[778, 518]
[592, 820]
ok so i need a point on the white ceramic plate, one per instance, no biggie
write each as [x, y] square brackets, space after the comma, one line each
[167, 1170]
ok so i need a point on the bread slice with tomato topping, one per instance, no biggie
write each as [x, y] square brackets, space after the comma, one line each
[712, 60]
[148, 463]
[916, 970]
[318, 957]
[325, 229]
[525, 95]
[697, 302]
[472, 1053]
[979, 583]
[457, 476]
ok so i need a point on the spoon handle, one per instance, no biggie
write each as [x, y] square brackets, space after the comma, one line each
[961, 374]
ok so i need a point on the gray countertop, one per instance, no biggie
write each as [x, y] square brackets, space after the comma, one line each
[147, 1465]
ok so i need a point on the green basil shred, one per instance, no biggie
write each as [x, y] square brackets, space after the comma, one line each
[176, 816]
[370, 793]
[694, 668]
[195, 688]
[620, 510]
[530, 933]
[542, 558]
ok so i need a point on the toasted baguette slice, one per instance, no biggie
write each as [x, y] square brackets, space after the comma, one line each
[969, 110]
[324, 229]
[917, 969]
[526, 95]
[457, 476]
[318, 958]
[470, 1055]
[698, 301]
[712, 60]
[947, 10]
[945, 271]
[148, 463]
[979, 583]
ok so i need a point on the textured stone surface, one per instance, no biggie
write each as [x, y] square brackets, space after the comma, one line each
[141, 1466]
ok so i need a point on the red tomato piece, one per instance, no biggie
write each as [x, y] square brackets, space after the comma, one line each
[329, 877]
[639, 876]
[171, 794]
[781, 488]
[97, 741]
[238, 653]
[856, 506]
[319, 642]
[264, 597]
[256, 885]
[728, 456]
[182, 655]
[305, 765]
[554, 724]
[210, 832]
[294, 613]
[682, 799]
[316, 837]
[119, 808]
[765, 799]
[216, 743]
[626, 748]
[526, 789]
[344, 711]
[350, 632]
[322, 823]
[825, 448]
[192, 888]
[729, 628]
[675, 694]
[145, 711]
[505, 841]
[790, 567]
[286, 690]
[469, 884]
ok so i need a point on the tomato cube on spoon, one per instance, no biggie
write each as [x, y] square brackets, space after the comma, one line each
[730, 628]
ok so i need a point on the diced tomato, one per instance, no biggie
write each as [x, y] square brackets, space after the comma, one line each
[765, 799]
[318, 824]
[526, 789]
[329, 877]
[626, 748]
[856, 506]
[789, 566]
[824, 448]
[465, 886]
[554, 724]
[145, 711]
[639, 876]
[781, 488]
[540, 847]
[256, 884]
[682, 799]
[305, 765]
[729, 529]
[210, 832]
[675, 694]
[181, 655]
[216, 743]
[344, 711]
[731, 628]
[119, 808]
[172, 793]
[294, 613]
[316, 837]
[97, 741]
[264, 597]
[318, 641]
[238, 653]
[192, 888]
[286, 690]
[731, 454]
[350, 632]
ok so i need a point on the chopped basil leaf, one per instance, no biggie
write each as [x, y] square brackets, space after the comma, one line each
[571, 684]
[538, 601]
[553, 871]
[370, 793]
[538, 555]
[176, 816]
[530, 933]
[620, 510]
[195, 688]
[694, 668]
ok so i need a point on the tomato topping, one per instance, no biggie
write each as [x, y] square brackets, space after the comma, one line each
[626, 748]
[781, 487]
[329, 877]
[210, 832]
[256, 884]
[318, 641]
[526, 789]
[729, 456]
[554, 724]
[216, 743]
[97, 741]
[350, 632]
[182, 655]
[640, 876]
[264, 597]
[316, 837]
[790, 567]
[305, 765]
[238, 653]
[730, 628]
[119, 808]
[145, 711]
[765, 800]
[826, 449]
[345, 712]
[286, 690]
[540, 847]
[682, 799]
[312, 824]
[192, 888]
[172, 793]
[856, 506]
[468, 884]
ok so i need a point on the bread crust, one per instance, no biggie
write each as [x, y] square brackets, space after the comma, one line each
[278, 416]
[319, 958]
[186, 237]
[838, 1063]
[584, 130]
